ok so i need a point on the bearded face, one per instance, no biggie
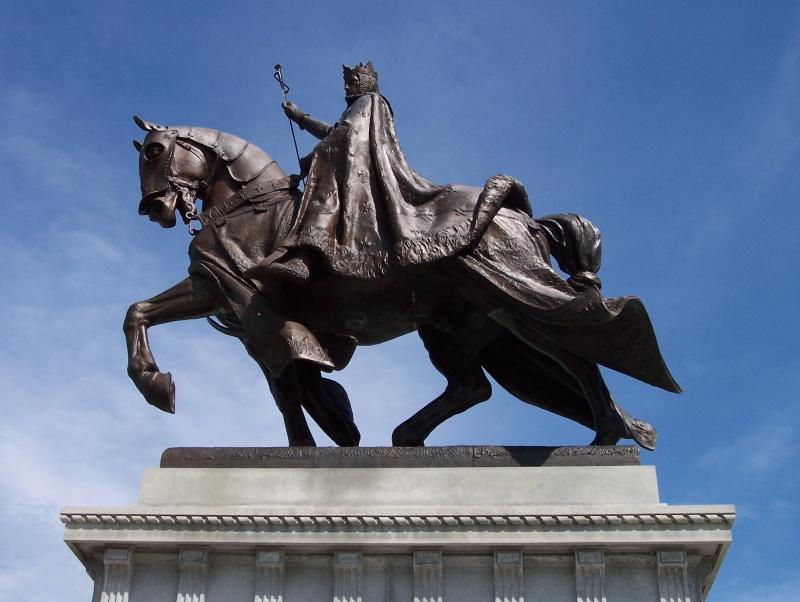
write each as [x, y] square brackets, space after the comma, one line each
[359, 80]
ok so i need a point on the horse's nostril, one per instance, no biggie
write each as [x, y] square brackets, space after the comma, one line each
[154, 209]
[149, 201]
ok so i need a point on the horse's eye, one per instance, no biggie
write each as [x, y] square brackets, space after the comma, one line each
[153, 150]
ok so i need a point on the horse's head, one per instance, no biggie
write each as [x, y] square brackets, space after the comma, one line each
[171, 171]
[180, 163]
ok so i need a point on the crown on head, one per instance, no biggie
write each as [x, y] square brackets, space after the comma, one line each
[361, 69]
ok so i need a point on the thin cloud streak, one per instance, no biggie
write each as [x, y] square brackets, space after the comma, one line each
[776, 147]
[761, 450]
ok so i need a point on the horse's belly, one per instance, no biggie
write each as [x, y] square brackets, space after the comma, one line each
[371, 310]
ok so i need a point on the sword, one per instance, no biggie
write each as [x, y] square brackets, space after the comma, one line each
[278, 75]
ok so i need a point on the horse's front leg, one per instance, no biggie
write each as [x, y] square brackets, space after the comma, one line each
[190, 298]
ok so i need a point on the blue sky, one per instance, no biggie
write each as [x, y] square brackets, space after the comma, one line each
[673, 126]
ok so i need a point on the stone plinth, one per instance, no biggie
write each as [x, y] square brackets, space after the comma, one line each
[397, 457]
[447, 532]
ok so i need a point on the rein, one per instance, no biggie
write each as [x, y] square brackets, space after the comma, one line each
[248, 194]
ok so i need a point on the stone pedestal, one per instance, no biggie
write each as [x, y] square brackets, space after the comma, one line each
[284, 529]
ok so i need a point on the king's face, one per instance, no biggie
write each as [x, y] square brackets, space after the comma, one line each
[351, 81]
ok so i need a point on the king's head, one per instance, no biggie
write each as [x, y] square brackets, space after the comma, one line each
[359, 80]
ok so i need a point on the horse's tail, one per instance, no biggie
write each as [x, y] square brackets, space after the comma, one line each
[576, 245]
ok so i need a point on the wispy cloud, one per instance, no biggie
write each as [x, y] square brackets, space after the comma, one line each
[762, 449]
[776, 144]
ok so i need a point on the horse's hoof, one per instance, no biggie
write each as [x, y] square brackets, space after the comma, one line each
[159, 391]
[348, 439]
[401, 438]
[640, 431]
[643, 433]
[303, 443]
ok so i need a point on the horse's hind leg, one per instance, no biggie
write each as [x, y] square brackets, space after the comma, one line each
[190, 298]
[467, 386]
[609, 424]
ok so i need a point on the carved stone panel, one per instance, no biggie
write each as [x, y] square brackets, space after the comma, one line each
[193, 565]
[117, 573]
[269, 576]
[348, 569]
[508, 584]
[590, 576]
[673, 582]
[428, 576]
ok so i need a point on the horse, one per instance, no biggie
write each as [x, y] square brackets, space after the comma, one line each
[498, 308]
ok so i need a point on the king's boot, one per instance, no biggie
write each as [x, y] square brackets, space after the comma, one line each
[293, 268]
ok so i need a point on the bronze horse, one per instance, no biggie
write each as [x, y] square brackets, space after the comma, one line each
[498, 308]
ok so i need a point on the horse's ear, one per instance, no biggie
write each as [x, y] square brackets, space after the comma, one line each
[137, 145]
[147, 126]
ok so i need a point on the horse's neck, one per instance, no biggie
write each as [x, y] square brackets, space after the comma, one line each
[233, 162]
[219, 190]
[222, 186]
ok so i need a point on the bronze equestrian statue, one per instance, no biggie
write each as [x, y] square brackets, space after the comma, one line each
[369, 251]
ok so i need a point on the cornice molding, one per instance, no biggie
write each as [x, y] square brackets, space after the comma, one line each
[254, 522]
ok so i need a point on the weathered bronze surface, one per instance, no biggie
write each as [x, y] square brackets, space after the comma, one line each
[370, 251]
[398, 457]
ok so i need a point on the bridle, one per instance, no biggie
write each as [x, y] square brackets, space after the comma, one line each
[212, 154]
[260, 194]
[189, 190]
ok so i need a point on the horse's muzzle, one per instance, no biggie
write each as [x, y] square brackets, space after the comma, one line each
[160, 207]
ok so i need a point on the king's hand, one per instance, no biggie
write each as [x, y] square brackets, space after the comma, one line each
[292, 111]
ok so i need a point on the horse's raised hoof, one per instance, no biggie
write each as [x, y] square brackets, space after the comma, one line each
[159, 390]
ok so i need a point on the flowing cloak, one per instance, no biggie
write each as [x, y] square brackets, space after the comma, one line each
[550, 323]
[367, 212]
[510, 274]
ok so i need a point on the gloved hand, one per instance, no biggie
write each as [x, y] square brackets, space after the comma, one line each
[292, 111]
